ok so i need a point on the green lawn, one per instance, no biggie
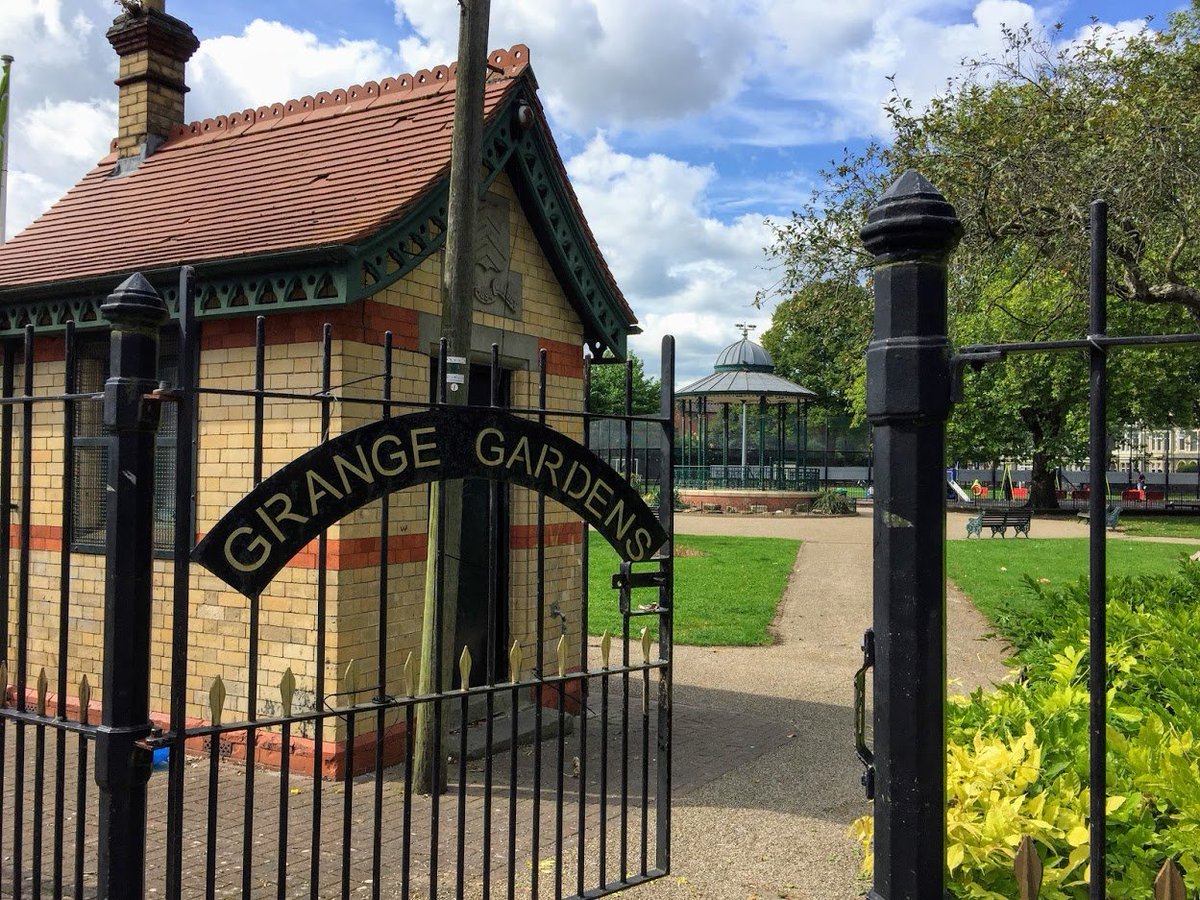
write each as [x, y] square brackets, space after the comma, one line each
[992, 572]
[1161, 526]
[726, 589]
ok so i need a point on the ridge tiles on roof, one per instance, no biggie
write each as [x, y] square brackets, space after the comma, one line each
[502, 65]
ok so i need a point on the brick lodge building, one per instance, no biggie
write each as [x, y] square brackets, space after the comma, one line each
[325, 209]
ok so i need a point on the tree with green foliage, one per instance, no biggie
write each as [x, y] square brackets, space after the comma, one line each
[1021, 144]
[816, 340]
[607, 396]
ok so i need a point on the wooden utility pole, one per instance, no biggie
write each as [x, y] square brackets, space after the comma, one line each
[466, 159]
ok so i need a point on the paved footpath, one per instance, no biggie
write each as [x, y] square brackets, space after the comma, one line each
[766, 781]
[773, 820]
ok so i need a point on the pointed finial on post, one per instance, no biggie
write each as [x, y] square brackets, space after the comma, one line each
[410, 676]
[911, 220]
[514, 662]
[464, 668]
[1027, 866]
[1169, 883]
[216, 700]
[85, 700]
[287, 689]
[562, 656]
[135, 303]
[43, 685]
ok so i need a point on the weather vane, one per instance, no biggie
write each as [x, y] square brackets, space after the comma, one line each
[746, 329]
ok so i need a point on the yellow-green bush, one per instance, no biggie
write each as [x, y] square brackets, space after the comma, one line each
[1017, 759]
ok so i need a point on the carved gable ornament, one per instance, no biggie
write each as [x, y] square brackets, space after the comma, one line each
[497, 286]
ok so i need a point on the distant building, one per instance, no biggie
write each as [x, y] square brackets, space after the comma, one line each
[1158, 450]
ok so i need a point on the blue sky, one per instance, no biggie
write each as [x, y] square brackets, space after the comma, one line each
[686, 124]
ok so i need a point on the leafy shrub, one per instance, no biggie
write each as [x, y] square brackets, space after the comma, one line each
[655, 492]
[1017, 757]
[833, 503]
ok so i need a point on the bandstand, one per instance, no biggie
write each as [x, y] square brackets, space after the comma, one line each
[744, 436]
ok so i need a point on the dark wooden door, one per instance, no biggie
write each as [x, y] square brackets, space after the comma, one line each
[484, 545]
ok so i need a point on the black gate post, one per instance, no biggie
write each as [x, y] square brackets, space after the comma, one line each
[122, 768]
[911, 232]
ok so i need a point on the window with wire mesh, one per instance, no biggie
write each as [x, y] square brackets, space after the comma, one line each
[90, 503]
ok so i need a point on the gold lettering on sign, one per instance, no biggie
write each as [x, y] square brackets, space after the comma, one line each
[495, 453]
[636, 546]
[285, 512]
[587, 480]
[551, 469]
[344, 465]
[262, 514]
[417, 448]
[521, 451]
[623, 525]
[397, 458]
[314, 495]
[597, 488]
[259, 541]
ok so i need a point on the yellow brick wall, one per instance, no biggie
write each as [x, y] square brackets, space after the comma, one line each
[547, 314]
[219, 618]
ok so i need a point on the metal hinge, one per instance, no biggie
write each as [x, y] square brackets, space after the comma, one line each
[865, 755]
[959, 363]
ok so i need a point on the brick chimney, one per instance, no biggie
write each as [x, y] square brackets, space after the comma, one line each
[153, 48]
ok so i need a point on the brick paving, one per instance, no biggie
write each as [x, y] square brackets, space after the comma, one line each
[347, 868]
[764, 776]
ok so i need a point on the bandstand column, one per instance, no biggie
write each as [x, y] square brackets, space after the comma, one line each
[744, 439]
[725, 455]
[762, 442]
[781, 444]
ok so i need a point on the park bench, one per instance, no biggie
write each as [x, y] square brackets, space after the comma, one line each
[1112, 516]
[1000, 520]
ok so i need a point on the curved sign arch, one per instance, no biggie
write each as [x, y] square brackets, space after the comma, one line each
[251, 543]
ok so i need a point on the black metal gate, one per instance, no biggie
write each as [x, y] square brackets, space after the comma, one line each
[912, 378]
[271, 752]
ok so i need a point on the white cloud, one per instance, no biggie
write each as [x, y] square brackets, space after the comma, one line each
[29, 195]
[70, 132]
[773, 73]
[58, 126]
[271, 62]
[607, 63]
[682, 270]
[918, 43]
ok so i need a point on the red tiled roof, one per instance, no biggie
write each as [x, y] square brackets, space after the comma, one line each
[314, 172]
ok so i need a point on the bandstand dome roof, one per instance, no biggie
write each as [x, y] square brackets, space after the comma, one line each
[744, 370]
[744, 356]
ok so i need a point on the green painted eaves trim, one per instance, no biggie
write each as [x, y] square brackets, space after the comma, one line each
[245, 286]
[551, 211]
[334, 276]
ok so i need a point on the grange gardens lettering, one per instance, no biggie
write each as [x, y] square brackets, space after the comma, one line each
[272, 523]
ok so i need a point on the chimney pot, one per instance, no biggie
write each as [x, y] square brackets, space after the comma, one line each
[153, 48]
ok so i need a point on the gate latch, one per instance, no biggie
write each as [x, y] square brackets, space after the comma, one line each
[155, 740]
[626, 580]
[865, 755]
